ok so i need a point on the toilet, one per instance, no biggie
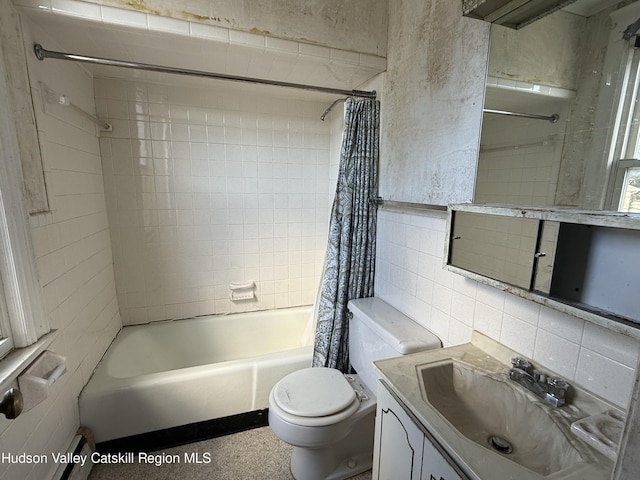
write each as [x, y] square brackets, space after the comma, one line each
[329, 416]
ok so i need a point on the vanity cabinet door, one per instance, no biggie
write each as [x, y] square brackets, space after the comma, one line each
[398, 441]
[434, 465]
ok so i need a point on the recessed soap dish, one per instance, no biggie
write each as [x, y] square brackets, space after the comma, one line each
[36, 380]
[242, 291]
[602, 431]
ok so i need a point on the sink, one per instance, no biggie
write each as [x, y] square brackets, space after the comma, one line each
[499, 415]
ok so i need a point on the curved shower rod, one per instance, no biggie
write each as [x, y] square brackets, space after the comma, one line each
[333, 104]
[41, 53]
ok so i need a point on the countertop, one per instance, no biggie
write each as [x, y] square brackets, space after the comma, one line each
[479, 462]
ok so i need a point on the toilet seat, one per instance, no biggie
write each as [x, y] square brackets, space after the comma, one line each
[314, 397]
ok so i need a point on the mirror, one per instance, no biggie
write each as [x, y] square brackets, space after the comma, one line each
[556, 65]
[495, 246]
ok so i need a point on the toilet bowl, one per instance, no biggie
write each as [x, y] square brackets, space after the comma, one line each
[328, 417]
[327, 433]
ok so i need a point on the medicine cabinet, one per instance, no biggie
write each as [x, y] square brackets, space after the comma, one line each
[580, 262]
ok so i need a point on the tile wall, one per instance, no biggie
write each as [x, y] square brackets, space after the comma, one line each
[75, 265]
[211, 185]
[409, 275]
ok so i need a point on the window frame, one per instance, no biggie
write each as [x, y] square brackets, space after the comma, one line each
[625, 141]
[6, 339]
[23, 320]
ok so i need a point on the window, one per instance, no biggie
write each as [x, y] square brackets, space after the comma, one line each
[625, 190]
[630, 194]
[6, 342]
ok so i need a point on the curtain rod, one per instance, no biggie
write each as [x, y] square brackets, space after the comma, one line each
[54, 98]
[333, 104]
[550, 118]
[41, 53]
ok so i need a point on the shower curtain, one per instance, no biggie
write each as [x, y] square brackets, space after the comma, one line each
[350, 259]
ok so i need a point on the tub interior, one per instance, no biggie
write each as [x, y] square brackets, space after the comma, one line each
[178, 344]
[171, 374]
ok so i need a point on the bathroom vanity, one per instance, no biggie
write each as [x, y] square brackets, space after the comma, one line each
[454, 414]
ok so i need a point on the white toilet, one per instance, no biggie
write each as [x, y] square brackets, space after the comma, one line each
[329, 417]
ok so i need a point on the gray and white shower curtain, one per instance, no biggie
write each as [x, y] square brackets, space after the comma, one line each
[350, 259]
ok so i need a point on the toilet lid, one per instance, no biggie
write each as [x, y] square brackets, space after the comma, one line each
[314, 392]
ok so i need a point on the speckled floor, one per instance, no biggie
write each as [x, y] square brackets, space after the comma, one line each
[254, 454]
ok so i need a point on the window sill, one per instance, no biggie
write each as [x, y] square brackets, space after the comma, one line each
[18, 359]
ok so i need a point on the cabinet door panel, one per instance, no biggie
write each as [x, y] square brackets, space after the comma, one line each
[495, 246]
[435, 466]
[399, 442]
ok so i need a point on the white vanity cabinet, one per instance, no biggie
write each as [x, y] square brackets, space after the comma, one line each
[404, 449]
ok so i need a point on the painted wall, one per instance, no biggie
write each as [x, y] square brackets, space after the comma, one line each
[547, 52]
[432, 102]
[75, 265]
[208, 185]
[359, 26]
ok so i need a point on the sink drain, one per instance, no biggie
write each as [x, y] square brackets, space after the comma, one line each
[500, 444]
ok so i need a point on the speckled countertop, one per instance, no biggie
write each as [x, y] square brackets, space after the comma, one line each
[488, 357]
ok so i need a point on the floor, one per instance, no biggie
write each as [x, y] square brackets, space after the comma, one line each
[253, 454]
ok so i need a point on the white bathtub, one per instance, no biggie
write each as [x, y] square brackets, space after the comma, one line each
[168, 374]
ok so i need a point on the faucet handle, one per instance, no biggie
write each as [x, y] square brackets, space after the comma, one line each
[559, 386]
[522, 364]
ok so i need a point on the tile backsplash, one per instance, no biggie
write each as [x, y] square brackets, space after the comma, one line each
[210, 186]
[409, 276]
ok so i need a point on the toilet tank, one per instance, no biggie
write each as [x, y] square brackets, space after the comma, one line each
[378, 331]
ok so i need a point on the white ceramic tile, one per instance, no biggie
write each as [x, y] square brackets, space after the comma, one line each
[77, 9]
[522, 309]
[490, 296]
[168, 25]
[307, 49]
[373, 61]
[442, 298]
[603, 376]
[556, 353]
[561, 324]
[281, 45]
[345, 56]
[487, 320]
[609, 344]
[187, 173]
[463, 309]
[246, 38]
[465, 286]
[118, 16]
[209, 32]
[518, 335]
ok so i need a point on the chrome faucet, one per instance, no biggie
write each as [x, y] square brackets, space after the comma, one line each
[552, 390]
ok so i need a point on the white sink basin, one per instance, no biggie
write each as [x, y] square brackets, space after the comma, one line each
[498, 415]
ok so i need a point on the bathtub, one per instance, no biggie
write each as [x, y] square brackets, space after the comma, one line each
[174, 373]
